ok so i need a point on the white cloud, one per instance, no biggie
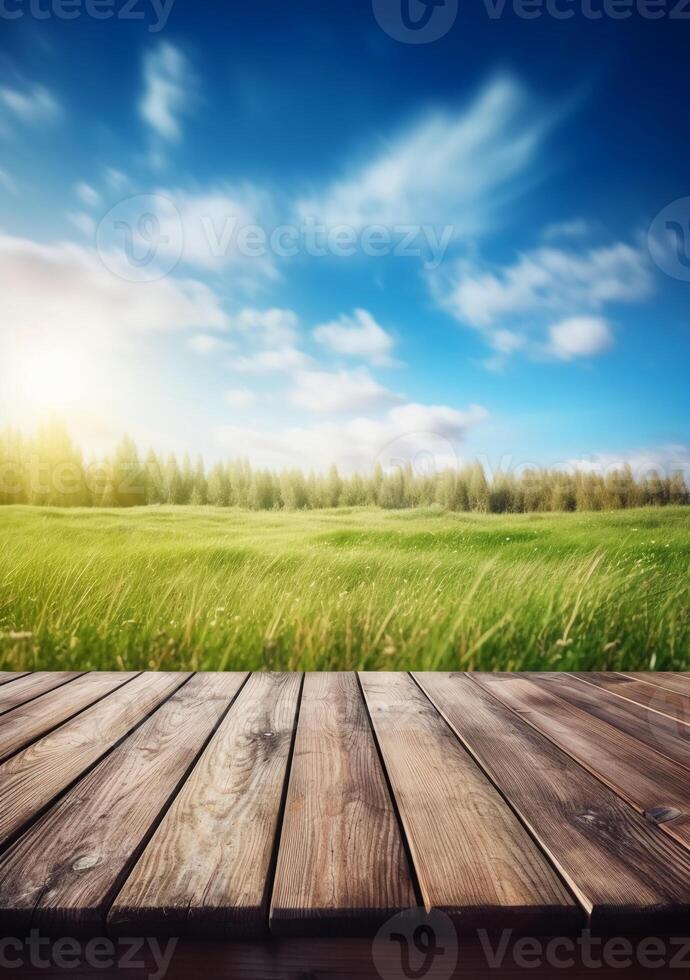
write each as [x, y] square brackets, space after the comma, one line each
[273, 328]
[204, 343]
[515, 306]
[665, 460]
[357, 336]
[169, 85]
[240, 397]
[87, 194]
[33, 106]
[339, 391]
[411, 432]
[64, 290]
[272, 336]
[580, 336]
[458, 169]
[212, 226]
[282, 359]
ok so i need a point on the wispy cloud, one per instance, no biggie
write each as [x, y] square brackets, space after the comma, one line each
[33, 105]
[115, 179]
[576, 228]
[87, 194]
[169, 84]
[450, 168]
[7, 182]
[358, 336]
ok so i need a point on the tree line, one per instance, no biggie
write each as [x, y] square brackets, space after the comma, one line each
[48, 469]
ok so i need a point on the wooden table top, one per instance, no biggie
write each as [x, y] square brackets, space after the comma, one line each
[235, 805]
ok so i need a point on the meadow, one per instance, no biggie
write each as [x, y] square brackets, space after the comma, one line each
[220, 589]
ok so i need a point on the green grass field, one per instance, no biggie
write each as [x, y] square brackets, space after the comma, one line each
[170, 588]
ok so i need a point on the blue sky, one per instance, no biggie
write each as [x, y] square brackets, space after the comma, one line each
[168, 186]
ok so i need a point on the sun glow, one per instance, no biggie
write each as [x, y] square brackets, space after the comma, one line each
[39, 381]
[53, 379]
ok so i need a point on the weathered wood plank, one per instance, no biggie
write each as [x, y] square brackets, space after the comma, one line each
[669, 736]
[645, 778]
[35, 776]
[473, 858]
[206, 872]
[341, 864]
[31, 686]
[96, 831]
[649, 696]
[22, 726]
[626, 873]
[11, 675]
[679, 682]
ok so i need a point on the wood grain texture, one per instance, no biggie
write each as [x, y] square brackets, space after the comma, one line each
[32, 778]
[341, 865]
[473, 858]
[679, 682]
[655, 698]
[642, 721]
[206, 872]
[6, 676]
[626, 873]
[96, 831]
[28, 722]
[31, 686]
[645, 778]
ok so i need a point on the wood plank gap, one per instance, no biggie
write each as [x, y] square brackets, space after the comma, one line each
[681, 702]
[599, 747]
[66, 890]
[158, 820]
[474, 859]
[577, 896]
[625, 872]
[11, 838]
[204, 873]
[283, 800]
[394, 803]
[657, 731]
[668, 680]
[7, 676]
[342, 868]
[36, 685]
[20, 745]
